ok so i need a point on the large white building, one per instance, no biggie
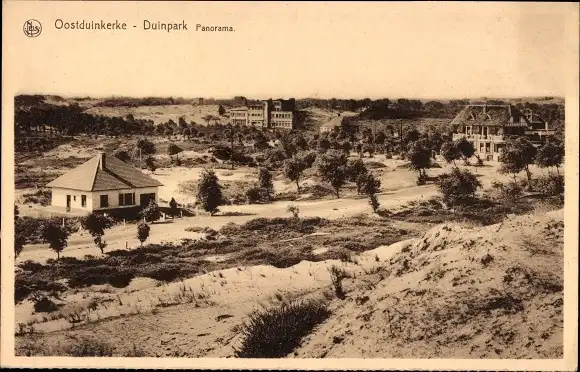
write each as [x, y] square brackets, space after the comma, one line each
[266, 114]
[103, 183]
[488, 126]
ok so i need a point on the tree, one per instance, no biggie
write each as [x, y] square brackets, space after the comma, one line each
[20, 237]
[309, 158]
[518, 155]
[143, 232]
[465, 148]
[265, 182]
[420, 157]
[151, 212]
[333, 168]
[16, 212]
[150, 163]
[357, 173]
[55, 235]
[230, 133]
[260, 141]
[371, 187]
[450, 152]
[96, 224]
[173, 149]
[146, 147]
[368, 148]
[293, 169]
[458, 186]
[380, 137]
[209, 192]
[221, 111]
[173, 207]
[551, 154]
[323, 145]
[411, 135]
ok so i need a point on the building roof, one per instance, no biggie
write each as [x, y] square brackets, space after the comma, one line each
[491, 115]
[242, 108]
[104, 172]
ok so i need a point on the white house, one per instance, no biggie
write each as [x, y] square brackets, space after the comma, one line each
[103, 183]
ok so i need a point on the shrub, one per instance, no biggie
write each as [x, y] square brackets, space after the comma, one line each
[143, 232]
[458, 186]
[151, 213]
[256, 194]
[265, 182]
[277, 331]
[337, 275]
[374, 202]
[163, 272]
[509, 192]
[42, 197]
[88, 347]
[550, 185]
[209, 192]
[294, 209]
[43, 304]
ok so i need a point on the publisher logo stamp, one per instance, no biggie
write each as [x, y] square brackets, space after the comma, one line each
[32, 28]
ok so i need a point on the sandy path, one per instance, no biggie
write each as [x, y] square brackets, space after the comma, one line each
[120, 237]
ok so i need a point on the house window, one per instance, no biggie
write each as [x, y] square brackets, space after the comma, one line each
[83, 201]
[74, 197]
[104, 201]
[126, 199]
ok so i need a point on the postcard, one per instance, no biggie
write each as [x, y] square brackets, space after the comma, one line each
[290, 185]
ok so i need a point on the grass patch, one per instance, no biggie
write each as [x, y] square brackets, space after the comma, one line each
[277, 331]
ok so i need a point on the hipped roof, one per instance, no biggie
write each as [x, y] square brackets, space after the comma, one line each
[114, 175]
[490, 115]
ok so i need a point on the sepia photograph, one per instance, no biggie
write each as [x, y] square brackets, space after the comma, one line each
[364, 188]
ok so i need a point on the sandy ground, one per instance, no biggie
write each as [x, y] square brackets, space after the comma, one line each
[397, 184]
[436, 296]
[162, 114]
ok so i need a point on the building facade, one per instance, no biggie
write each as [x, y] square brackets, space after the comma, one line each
[488, 126]
[274, 114]
[103, 183]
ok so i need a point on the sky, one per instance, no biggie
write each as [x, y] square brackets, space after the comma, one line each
[304, 49]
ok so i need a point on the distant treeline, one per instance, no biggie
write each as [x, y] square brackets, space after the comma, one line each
[148, 101]
[32, 113]
[71, 120]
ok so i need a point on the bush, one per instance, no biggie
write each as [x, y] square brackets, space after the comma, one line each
[458, 186]
[337, 275]
[88, 347]
[294, 209]
[164, 272]
[550, 185]
[151, 213]
[43, 304]
[509, 192]
[276, 332]
[143, 232]
[209, 192]
[256, 195]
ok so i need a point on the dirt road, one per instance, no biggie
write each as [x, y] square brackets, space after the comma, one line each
[121, 237]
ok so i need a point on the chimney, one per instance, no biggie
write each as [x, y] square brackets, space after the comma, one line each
[102, 163]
